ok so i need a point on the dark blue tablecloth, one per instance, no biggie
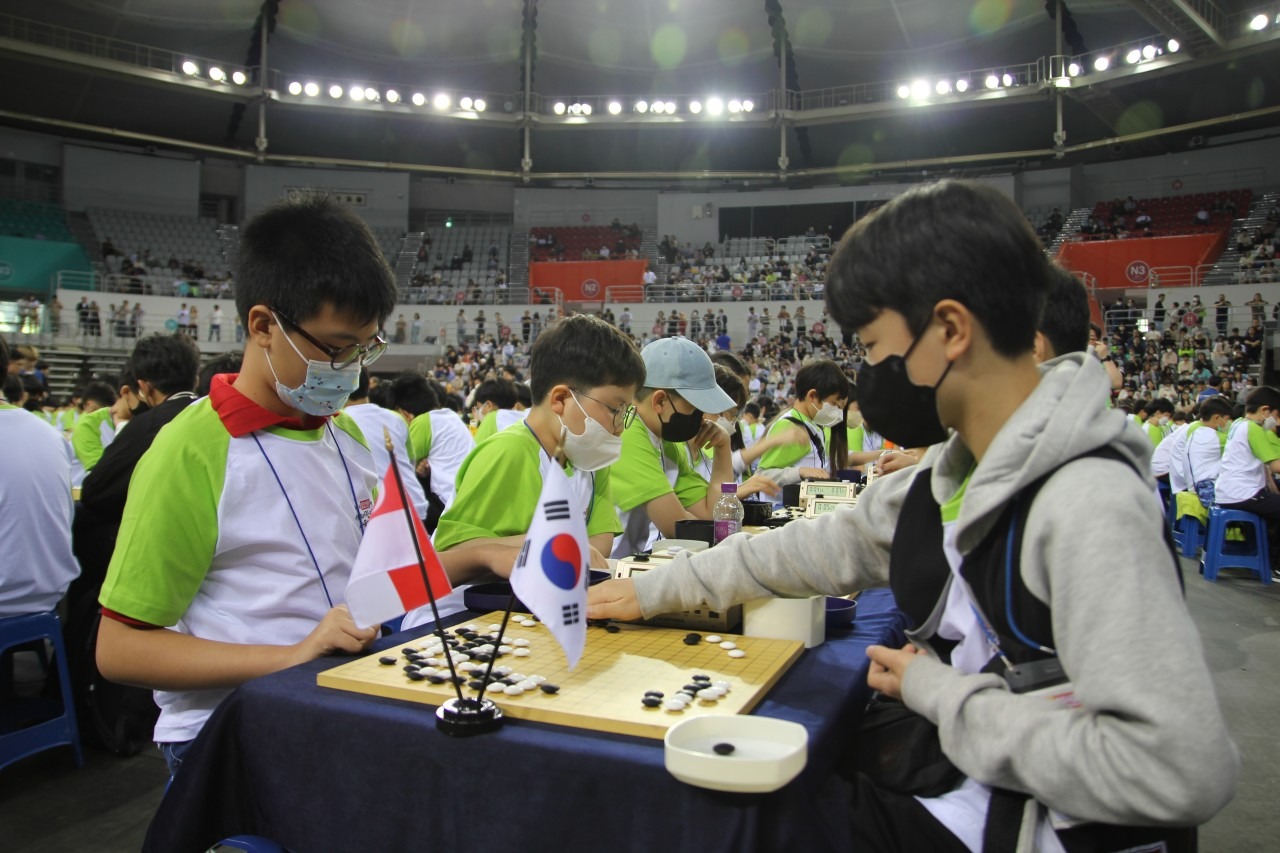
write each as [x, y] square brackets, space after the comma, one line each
[317, 769]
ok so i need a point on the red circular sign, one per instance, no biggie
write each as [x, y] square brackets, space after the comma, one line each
[505, 331]
[1137, 272]
[737, 291]
[1177, 183]
[590, 288]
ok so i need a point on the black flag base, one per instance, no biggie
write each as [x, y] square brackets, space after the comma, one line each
[467, 717]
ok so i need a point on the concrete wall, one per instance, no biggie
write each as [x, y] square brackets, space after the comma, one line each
[459, 197]
[30, 147]
[532, 208]
[1251, 163]
[94, 177]
[385, 195]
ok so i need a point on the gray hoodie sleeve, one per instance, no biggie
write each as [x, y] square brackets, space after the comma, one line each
[1149, 744]
[833, 554]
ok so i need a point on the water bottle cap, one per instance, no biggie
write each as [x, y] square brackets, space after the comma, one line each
[728, 488]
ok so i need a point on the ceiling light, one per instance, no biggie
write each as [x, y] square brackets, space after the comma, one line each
[1149, 52]
[189, 67]
[671, 107]
[695, 107]
[919, 89]
[1259, 22]
[1174, 45]
[464, 103]
[217, 74]
[1133, 56]
[715, 106]
[1074, 69]
[658, 107]
[1102, 63]
[943, 87]
[335, 91]
[311, 90]
[371, 94]
[441, 101]
[904, 91]
[558, 109]
[586, 109]
[393, 97]
[575, 109]
[614, 108]
[295, 88]
[642, 106]
[962, 85]
[419, 99]
[1007, 79]
[238, 78]
[478, 105]
[993, 82]
[735, 106]
[748, 106]
[356, 93]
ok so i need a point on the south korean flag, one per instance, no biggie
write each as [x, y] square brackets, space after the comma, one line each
[550, 575]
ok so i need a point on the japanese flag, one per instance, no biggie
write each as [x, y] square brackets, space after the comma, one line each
[550, 575]
[386, 580]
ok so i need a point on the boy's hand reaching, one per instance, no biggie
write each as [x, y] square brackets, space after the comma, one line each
[337, 632]
[888, 666]
[712, 435]
[613, 600]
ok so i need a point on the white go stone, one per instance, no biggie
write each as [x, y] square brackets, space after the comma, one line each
[710, 694]
[728, 644]
[513, 690]
[722, 685]
[714, 638]
[502, 670]
[495, 627]
[528, 623]
[521, 653]
[673, 705]
[529, 684]
[506, 650]
[517, 676]
[521, 643]
[537, 679]
[737, 653]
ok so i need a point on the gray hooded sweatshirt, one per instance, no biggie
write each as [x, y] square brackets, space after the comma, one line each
[1148, 745]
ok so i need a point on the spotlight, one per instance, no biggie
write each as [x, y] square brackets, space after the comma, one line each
[295, 88]
[238, 78]
[441, 101]
[311, 90]
[216, 74]
[1258, 23]
[478, 105]
[393, 97]
[748, 106]
[943, 87]
[904, 91]
[558, 109]
[371, 94]
[695, 107]
[671, 107]
[642, 106]
[1073, 69]
[1174, 45]
[1102, 63]
[586, 109]
[335, 91]
[1149, 52]
[1133, 56]
[418, 99]
[189, 67]
[614, 108]
[715, 106]
[993, 82]
[919, 89]
[962, 85]
[575, 109]
[356, 93]
[1007, 79]
[735, 106]
[464, 103]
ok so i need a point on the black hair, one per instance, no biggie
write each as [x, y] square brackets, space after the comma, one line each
[1263, 395]
[1065, 320]
[411, 391]
[1160, 406]
[100, 393]
[824, 376]
[583, 352]
[524, 396]
[4, 356]
[127, 378]
[361, 391]
[12, 389]
[949, 240]
[500, 392]
[228, 362]
[169, 362]
[724, 358]
[753, 409]
[304, 253]
[445, 399]
[1180, 416]
[380, 395]
[1215, 381]
[1216, 405]
[731, 384]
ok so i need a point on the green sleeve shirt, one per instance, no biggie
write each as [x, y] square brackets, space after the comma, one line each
[86, 440]
[420, 437]
[641, 475]
[789, 455]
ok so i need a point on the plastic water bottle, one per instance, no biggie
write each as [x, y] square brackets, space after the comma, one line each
[726, 515]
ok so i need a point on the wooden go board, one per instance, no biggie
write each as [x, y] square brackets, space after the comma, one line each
[604, 691]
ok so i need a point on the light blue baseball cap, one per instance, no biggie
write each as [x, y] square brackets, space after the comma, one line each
[680, 365]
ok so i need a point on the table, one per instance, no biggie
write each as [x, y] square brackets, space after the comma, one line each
[326, 770]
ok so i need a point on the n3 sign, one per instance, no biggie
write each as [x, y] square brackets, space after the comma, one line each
[1137, 272]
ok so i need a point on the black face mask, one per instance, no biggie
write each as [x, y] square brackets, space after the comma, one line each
[680, 427]
[897, 408]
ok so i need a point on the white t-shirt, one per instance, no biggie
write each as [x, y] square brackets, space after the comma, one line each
[451, 441]
[35, 514]
[1177, 442]
[372, 419]
[1243, 474]
[1204, 454]
[1160, 461]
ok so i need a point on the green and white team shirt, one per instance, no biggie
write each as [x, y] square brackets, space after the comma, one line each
[649, 468]
[1243, 474]
[94, 432]
[210, 545]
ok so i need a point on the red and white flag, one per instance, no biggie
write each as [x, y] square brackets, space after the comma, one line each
[386, 580]
[550, 575]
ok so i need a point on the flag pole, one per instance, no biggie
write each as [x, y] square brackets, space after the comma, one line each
[422, 563]
[502, 629]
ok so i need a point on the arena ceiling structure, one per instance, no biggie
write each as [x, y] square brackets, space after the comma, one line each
[557, 92]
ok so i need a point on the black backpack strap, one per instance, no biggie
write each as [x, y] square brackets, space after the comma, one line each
[813, 439]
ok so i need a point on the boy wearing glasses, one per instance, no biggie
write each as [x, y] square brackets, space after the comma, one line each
[584, 374]
[243, 518]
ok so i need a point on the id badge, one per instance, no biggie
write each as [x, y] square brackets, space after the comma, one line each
[1044, 679]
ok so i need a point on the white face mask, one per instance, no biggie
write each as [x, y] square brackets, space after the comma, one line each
[725, 424]
[828, 416]
[1269, 424]
[324, 390]
[595, 448]
[853, 419]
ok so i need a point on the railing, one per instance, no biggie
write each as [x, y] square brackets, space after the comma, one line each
[1178, 276]
[1238, 318]
[1179, 184]
[76, 280]
[731, 292]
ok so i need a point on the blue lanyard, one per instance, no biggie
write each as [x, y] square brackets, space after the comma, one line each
[294, 512]
[586, 515]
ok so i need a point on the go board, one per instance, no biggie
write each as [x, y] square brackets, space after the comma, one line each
[604, 691]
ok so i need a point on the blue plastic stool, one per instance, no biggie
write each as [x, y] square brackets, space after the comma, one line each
[1169, 504]
[253, 844]
[61, 729]
[1220, 554]
[1189, 533]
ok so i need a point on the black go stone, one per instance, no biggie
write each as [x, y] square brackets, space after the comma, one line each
[651, 701]
[548, 687]
[691, 688]
[387, 661]
[476, 684]
[436, 679]
[612, 629]
[723, 749]
[692, 639]
[408, 651]
[705, 678]
[411, 667]
[415, 675]
[458, 679]
[657, 694]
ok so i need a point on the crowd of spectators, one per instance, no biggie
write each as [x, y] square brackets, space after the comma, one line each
[140, 271]
[695, 275]
[1258, 251]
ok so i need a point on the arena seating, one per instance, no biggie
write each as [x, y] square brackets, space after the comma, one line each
[33, 220]
[576, 240]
